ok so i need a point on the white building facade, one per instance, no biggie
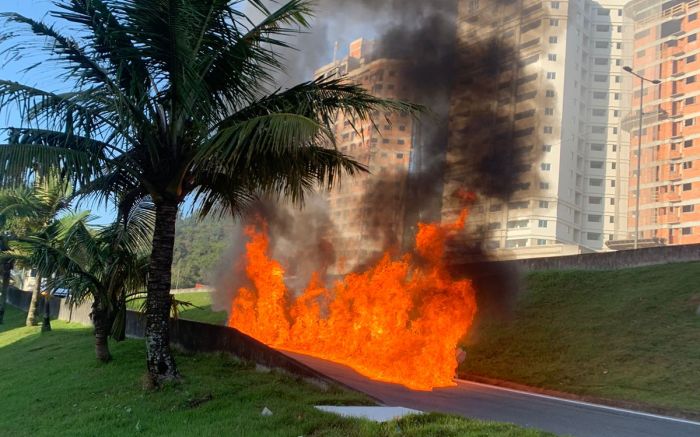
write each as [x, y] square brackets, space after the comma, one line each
[564, 103]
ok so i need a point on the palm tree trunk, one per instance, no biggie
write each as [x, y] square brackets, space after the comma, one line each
[34, 303]
[100, 321]
[161, 364]
[6, 271]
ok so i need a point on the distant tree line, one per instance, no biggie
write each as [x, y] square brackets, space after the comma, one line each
[201, 246]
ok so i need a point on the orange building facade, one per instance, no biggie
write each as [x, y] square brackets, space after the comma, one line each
[666, 46]
[368, 211]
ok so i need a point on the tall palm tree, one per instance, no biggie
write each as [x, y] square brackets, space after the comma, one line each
[108, 265]
[6, 266]
[175, 98]
[31, 211]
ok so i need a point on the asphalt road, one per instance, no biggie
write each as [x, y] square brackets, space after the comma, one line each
[480, 401]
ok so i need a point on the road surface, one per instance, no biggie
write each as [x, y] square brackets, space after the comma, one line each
[480, 401]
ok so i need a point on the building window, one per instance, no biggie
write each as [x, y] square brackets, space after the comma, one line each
[690, 101]
[596, 164]
[689, 122]
[601, 61]
[551, 75]
[692, 37]
[552, 39]
[690, 79]
[593, 236]
[544, 204]
[552, 57]
[687, 231]
[548, 129]
[595, 182]
[546, 167]
[693, 16]
[602, 28]
[518, 224]
[544, 185]
[512, 244]
[549, 93]
[595, 218]
[687, 187]
[688, 208]
[548, 111]
[546, 148]
[554, 22]
[541, 242]
[597, 147]
[542, 223]
[595, 200]
[613, 183]
[690, 59]
[399, 156]
[555, 5]
[494, 226]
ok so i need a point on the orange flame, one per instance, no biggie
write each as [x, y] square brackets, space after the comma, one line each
[400, 321]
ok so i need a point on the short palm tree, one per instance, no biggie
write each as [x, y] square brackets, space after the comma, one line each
[107, 265]
[175, 98]
[30, 211]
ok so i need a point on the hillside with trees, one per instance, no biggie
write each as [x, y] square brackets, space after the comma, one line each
[200, 248]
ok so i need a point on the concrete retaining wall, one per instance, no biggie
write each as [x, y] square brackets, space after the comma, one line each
[610, 260]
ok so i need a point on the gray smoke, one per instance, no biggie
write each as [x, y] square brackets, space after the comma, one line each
[424, 34]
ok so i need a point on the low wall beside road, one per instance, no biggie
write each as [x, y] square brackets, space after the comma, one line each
[188, 335]
[613, 260]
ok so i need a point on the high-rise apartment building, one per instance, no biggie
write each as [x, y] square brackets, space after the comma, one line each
[562, 105]
[666, 47]
[368, 211]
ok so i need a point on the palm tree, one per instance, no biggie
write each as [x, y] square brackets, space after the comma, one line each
[31, 211]
[6, 266]
[108, 265]
[172, 99]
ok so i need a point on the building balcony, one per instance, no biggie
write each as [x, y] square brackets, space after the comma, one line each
[669, 219]
[675, 176]
[670, 197]
[675, 154]
[677, 51]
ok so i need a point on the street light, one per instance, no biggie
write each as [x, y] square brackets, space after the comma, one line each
[639, 146]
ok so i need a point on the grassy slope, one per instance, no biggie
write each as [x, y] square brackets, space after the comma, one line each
[50, 384]
[202, 311]
[629, 334]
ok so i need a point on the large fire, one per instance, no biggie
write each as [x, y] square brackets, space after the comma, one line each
[399, 321]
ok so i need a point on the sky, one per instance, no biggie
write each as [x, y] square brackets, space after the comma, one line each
[46, 76]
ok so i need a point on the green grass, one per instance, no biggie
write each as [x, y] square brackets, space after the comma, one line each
[629, 335]
[50, 384]
[202, 310]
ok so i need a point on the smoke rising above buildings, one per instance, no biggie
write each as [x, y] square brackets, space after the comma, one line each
[459, 143]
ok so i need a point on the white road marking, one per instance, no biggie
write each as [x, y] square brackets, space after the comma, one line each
[587, 404]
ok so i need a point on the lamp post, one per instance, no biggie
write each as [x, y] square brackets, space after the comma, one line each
[639, 146]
